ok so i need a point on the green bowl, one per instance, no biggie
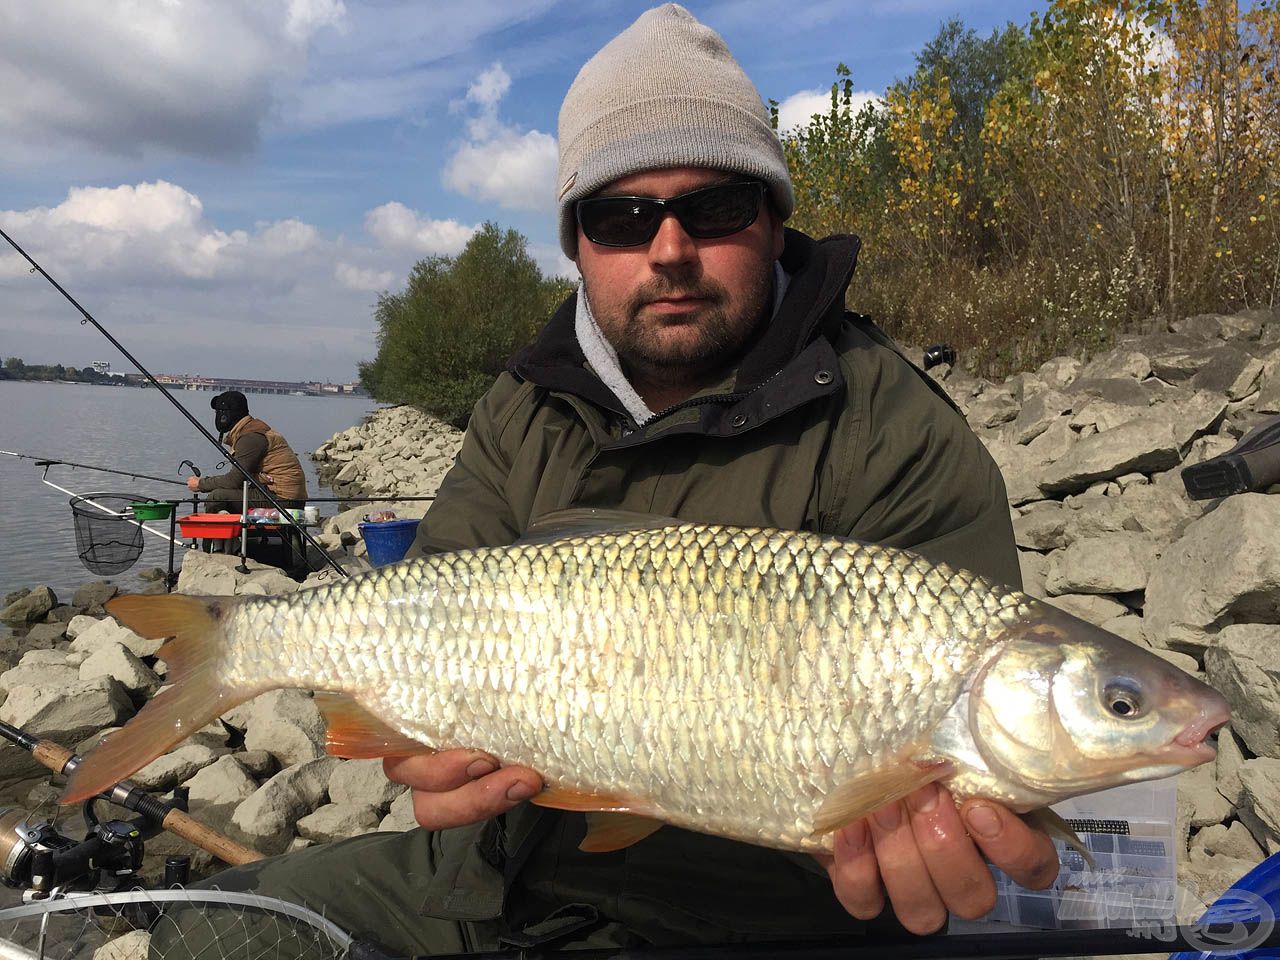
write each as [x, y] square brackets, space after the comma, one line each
[151, 510]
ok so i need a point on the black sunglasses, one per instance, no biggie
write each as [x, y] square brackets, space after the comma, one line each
[705, 214]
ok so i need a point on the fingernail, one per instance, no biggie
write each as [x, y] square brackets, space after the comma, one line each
[888, 818]
[854, 838]
[520, 791]
[480, 768]
[924, 799]
[982, 820]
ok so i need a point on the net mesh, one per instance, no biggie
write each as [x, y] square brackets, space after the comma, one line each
[170, 924]
[108, 540]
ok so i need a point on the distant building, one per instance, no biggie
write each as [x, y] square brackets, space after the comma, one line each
[102, 367]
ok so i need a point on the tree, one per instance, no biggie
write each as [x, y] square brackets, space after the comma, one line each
[444, 339]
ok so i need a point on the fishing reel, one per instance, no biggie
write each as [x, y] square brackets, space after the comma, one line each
[41, 859]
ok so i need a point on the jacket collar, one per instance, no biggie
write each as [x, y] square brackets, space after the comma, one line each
[820, 273]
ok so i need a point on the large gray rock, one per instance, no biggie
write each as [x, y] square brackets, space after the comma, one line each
[1232, 372]
[133, 945]
[1259, 804]
[91, 596]
[44, 635]
[1037, 414]
[1143, 445]
[1246, 325]
[361, 783]
[167, 771]
[29, 608]
[1090, 607]
[400, 817]
[108, 633]
[267, 819]
[288, 725]
[1042, 527]
[1113, 563]
[1244, 666]
[337, 821]
[1118, 364]
[115, 660]
[1112, 389]
[67, 712]
[1088, 517]
[1224, 569]
[215, 791]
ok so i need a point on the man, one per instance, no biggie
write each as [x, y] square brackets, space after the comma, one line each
[265, 454]
[706, 370]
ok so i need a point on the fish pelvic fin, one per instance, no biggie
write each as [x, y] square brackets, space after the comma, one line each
[613, 823]
[194, 698]
[352, 731]
[1050, 822]
[607, 831]
[860, 796]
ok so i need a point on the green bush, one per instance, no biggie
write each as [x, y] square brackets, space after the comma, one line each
[444, 339]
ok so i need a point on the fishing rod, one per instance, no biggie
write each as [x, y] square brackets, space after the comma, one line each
[51, 462]
[132, 797]
[88, 498]
[261, 488]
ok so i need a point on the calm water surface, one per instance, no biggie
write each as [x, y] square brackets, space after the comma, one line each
[124, 428]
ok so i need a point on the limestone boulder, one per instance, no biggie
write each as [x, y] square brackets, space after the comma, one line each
[1143, 445]
[286, 724]
[29, 608]
[361, 783]
[266, 820]
[1244, 666]
[1223, 570]
[1112, 563]
[336, 821]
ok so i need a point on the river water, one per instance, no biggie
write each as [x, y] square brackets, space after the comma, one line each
[125, 428]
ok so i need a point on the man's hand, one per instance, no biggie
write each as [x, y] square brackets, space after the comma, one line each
[458, 787]
[193, 484]
[926, 856]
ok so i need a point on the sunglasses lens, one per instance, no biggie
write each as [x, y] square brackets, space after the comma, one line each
[619, 221]
[710, 212]
[721, 211]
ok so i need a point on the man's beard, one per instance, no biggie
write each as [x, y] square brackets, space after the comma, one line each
[724, 330]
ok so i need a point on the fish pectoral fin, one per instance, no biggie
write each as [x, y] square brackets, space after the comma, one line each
[607, 831]
[858, 797]
[353, 732]
[1051, 822]
[583, 521]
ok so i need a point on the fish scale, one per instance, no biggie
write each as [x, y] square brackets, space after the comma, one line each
[742, 715]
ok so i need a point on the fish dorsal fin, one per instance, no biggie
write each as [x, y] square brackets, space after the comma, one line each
[858, 797]
[607, 832]
[584, 521]
[1051, 822]
[353, 732]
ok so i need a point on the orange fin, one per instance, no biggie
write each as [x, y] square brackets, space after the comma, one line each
[353, 732]
[607, 831]
[563, 799]
[854, 800]
[195, 698]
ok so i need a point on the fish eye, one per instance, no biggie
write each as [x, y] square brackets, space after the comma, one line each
[1123, 699]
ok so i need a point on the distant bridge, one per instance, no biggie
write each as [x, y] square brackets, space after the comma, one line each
[220, 384]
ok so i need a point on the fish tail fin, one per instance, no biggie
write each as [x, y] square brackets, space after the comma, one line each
[195, 697]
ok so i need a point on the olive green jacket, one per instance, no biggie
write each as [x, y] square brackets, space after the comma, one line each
[825, 427]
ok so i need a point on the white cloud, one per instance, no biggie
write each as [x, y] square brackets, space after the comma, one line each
[359, 278]
[799, 109]
[128, 77]
[397, 227]
[497, 162]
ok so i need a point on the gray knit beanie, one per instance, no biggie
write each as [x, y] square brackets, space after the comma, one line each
[665, 92]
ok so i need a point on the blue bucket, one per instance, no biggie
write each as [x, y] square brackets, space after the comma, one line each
[387, 541]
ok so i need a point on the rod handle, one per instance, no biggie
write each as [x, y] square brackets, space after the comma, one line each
[206, 838]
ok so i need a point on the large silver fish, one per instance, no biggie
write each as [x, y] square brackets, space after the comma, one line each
[764, 685]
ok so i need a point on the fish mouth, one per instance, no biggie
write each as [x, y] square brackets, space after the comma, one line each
[1192, 744]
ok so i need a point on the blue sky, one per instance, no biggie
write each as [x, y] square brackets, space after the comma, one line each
[228, 184]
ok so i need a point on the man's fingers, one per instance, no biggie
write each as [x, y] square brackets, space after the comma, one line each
[447, 770]
[962, 879]
[911, 890]
[478, 800]
[1025, 854]
[855, 875]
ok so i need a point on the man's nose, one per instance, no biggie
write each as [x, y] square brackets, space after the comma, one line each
[671, 245]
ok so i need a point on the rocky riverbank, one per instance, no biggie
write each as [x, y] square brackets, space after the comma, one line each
[1091, 453]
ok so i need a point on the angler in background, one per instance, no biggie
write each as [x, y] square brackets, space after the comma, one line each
[706, 370]
[258, 449]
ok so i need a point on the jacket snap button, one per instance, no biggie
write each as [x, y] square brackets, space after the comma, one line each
[823, 377]
[738, 420]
